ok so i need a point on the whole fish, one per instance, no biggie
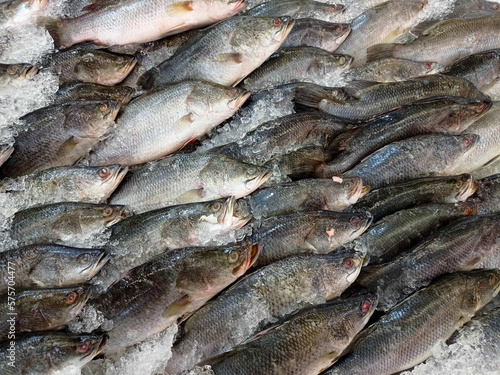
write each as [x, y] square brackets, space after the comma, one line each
[405, 336]
[317, 232]
[398, 232]
[298, 64]
[16, 72]
[40, 310]
[391, 70]
[299, 9]
[90, 65]
[260, 298]
[487, 195]
[439, 43]
[286, 349]
[482, 69]
[393, 198]
[307, 195]
[92, 91]
[488, 147]
[188, 178]
[140, 237]
[447, 116]
[224, 53]
[68, 223]
[362, 100]
[48, 353]
[420, 156]
[60, 135]
[49, 266]
[64, 184]
[151, 297]
[187, 110]
[379, 24]
[459, 246]
[138, 21]
[5, 152]
[315, 33]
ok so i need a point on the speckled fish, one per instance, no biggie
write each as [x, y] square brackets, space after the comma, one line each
[396, 233]
[50, 352]
[5, 152]
[16, 72]
[41, 309]
[165, 120]
[406, 335]
[299, 9]
[298, 64]
[317, 232]
[487, 195]
[445, 42]
[446, 116]
[140, 237]
[67, 223]
[64, 184]
[316, 33]
[138, 21]
[362, 100]
[421, 156]
[188, 178]
[391, 70]
[224, 53]
[488, 147]
[50, 266]
[379, 24]
[259, 299]
[393, 198]
[307, 195]
[459, 246]
[150, 298]
[59, 135]
[306, 343]
[90, 65]
[92, 91]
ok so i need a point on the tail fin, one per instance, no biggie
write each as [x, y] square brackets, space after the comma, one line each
[147, 80]
[380, 51]
[311, 95]
[341, 142]
[54, 27]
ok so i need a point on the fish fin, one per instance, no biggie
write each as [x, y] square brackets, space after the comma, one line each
[380, 51]
[261, 333]
[406, 37]
[181, 7]
[341, 142]
[229, 57]
[423, 27]
[217, 359]
[186, 119]
[66, 223]
[147, 80]
[357, 88]
[312, 95]
[68, 146]
[54, 27]
[189, 196]
[178, 308]
[492, 161]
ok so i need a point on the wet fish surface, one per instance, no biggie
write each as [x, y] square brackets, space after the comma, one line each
[315, 33]
[299, 9]
[487, 195]
[92, 91]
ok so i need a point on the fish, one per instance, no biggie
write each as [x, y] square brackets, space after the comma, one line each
[379, 24]
[138, 238]
[16, 72]
[445, 115]
[459, 246]
[224, 53]
[487, 195]
[118, 22]
[315, 33]
[298, 9]
[59, 135]
[285, 348]
[391, 70]
[50, 266]
[317, 232]
[64, 184]
[306, 195]
[49, 352]
[90, 65]
[298, 64]
[436, 154]
[151, 297]
[261, 298]
[405, 336]
[66, 223]
[188, 109]
[363, 100]
[5, 151]
[93, 91]
[396, 233]
[188, 178]
[41, 309]
[439, 43]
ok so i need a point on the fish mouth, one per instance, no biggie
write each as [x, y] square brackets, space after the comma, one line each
[29, 71]
[238, 102]
[288, 24]
[226, 216]
[251, 258]
[349, 62]
[103, 342]
[467, 189]
[103, 259]
[128, 96]
[5, 154]
[239, 6]
[117, 176]
[358, 191]
[127, 68]
[254, 183]
[115, 108]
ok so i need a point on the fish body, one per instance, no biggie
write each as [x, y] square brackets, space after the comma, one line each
[299, 9]
[92, 91]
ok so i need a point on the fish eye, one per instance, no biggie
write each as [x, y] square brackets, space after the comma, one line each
[277, 22]
[342, 60]
[233, 256]
[231, 93]
[348, 263]
[468, 211]
[83, 347]
[365, 306]
[108, 211]
[71, 298]
[422, 4]
[84, 258]
[427, 65]
[338, 28]
[12, 69]
[216, 206]
[89, 57]
[104, 172]
[251, 171]
[480, 108]
[119, 59]
[103, 107]
[355, 221]
[467, 141]
[348, 185]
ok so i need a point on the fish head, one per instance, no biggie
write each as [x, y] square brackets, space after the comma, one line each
[97, 116]
[461, 114]
[431, 67]
[352, 190]
[351, 264]
[109, 177]
[221, 214]
[355, 312]
[261, 35]
[489, 6]
[465, 187]
[359, 222]
[467, 208]
[20, 71]
[467, 143]
[339, 31]
[482, 286]
[102, 67]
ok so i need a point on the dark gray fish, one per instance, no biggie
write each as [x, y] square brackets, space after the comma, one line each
[299, 9]
[92, 91]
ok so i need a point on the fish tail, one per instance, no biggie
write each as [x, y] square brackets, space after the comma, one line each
[147, 80]
[341, 142]
[380, 51]
[54, 26]
[310, 95]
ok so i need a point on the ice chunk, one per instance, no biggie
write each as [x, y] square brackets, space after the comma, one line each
[88, 320]
[206, 370]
